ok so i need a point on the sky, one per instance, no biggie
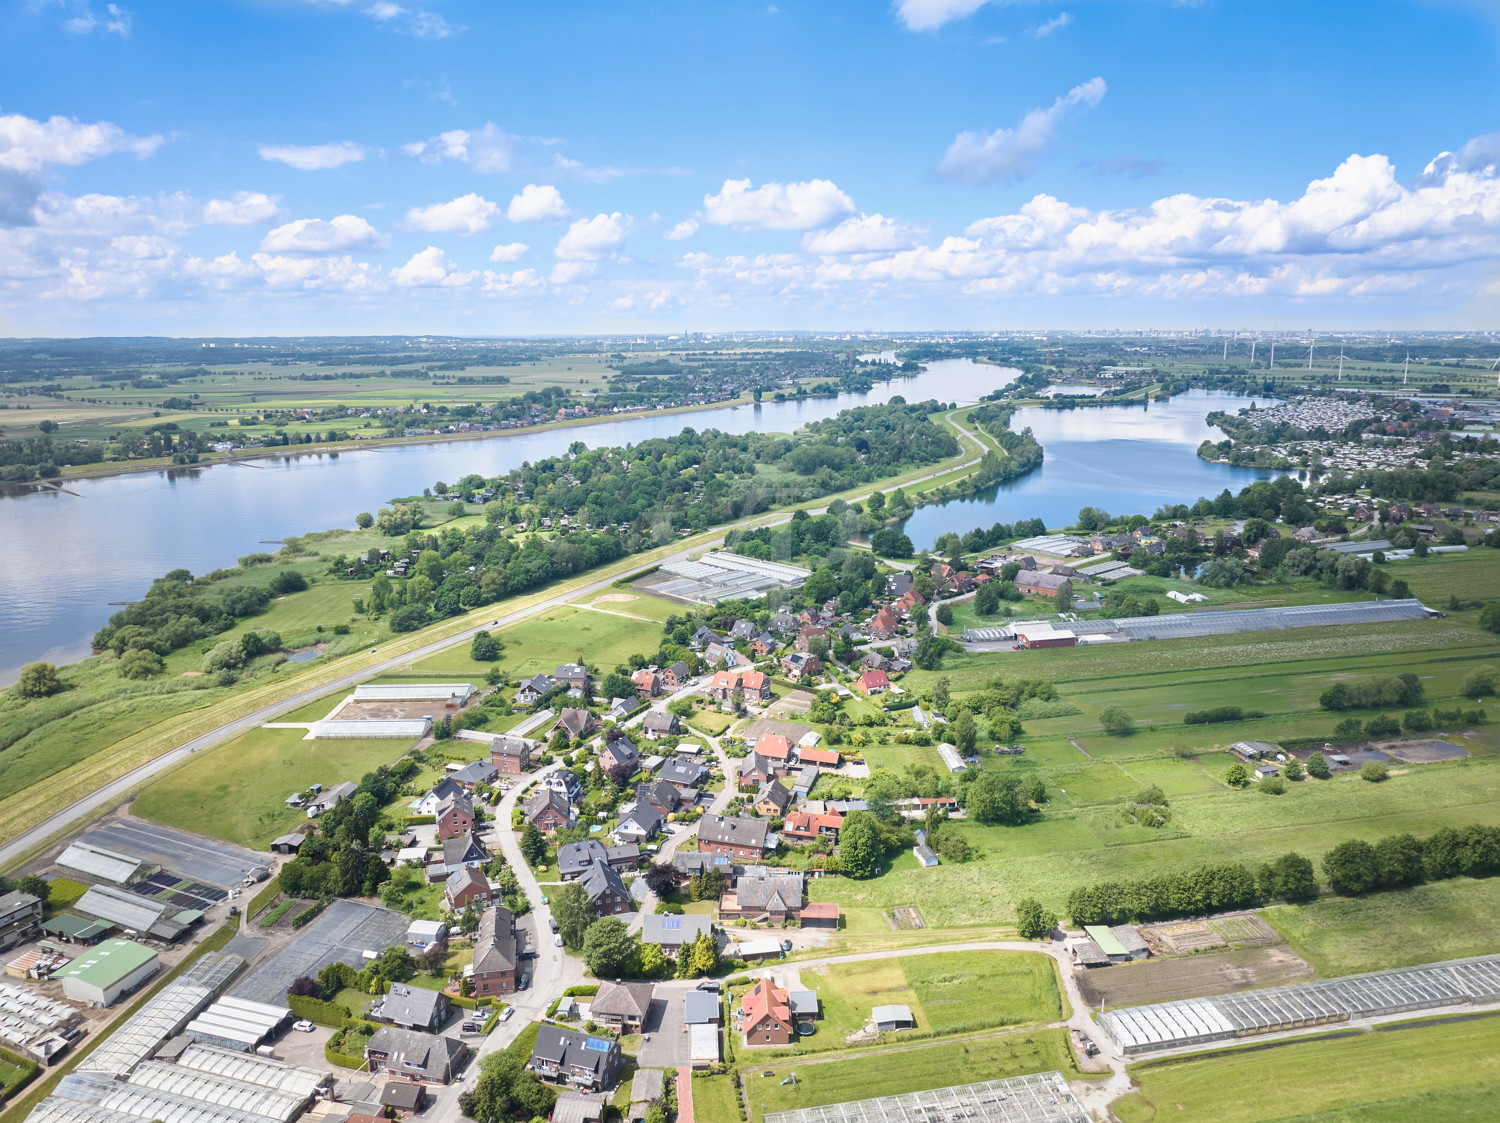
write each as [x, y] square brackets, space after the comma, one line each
[287, 167]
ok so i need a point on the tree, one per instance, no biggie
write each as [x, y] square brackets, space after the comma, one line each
[1114, 719]
[1064, 600]
[1480, 682]
[859, 845]
[1374, 771]
[38, 680]
[1400, 590]
[940, 694]
[485, 648]
[1002, 797]
[38, 886]
[608, 948]
[435, 959]
[699, 958]
[945, 614]
[1351, 867]
[305, 986]
[1289, 877]
[661, 880]
[889, 542]
[1236, 776]
[1033, 921]
[533, 844]
[1293, 770]
[138, 663]
[364, 520]
[1400, 858]
[1416, 721]
[574, 913]
[1317, 767]
[505, 1090]
[987, 599]
[954, 848]
[652, 962]
[963, 732]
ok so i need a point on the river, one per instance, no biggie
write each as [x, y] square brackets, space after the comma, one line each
[71, 555]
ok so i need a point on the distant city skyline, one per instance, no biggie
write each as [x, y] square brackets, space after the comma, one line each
[266, 167]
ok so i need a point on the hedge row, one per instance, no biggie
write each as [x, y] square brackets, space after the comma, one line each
[319, 1011]
[465, 1003]
[420, 820]
[343, 1060]
[489, 1023]
[307, 915]
[25, 1072]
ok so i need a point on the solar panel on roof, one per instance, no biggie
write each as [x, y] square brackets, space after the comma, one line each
[671, 924]
[596, 1044]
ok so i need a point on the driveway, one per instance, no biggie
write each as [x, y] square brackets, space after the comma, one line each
[669, 1045]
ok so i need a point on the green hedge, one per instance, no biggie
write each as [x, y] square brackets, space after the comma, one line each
[343, 1060]
[319, 1011]
[306, 915]
[420, 820]
[586, 990]
[26, 1070]
[465, 1003]
[489, 1023]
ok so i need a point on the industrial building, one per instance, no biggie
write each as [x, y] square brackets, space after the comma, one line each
[721, 576]
[20, 918]
[1225, 1017]
[99, 864]
[164, 1016]
[1042, 1097]
[107, 971]
[135, 914]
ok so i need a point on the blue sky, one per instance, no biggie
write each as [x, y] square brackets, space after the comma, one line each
[309, 166]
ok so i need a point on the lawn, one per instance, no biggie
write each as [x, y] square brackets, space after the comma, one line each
[1416, 1072]
[238, 792]
[716, 1100]
[1425, 924]
[904, 1069]
[559, 635]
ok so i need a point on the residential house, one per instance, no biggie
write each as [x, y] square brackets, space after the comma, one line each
[624, 857]
[744, 629]
[798, 663]
[607, 891]
[676, 676]
[647, 682]
[576, 723]
[910, 601]
[549, 809]
[723, 655]
[755, 770]
[620, 758]
[884, 624]
[737, 838]
[20, 918]
[574, 1059]
[327, 801]
[444, 790]
[413, 1008]
[1044, 584]
[772, 800]
[658, 724]
[511, 756]
[574, 859]
[422, 1058]
[476, 772]
[784, 621]
[942, 575]
[465, 886]
[624, 1005]
[496, 954]
[533, 690]
[455, 816]
[775, 748]
[766, 1015]
[621, 708]
[776, 897]
[683, 773]
[574, 676]
[809, 632]
[689, 863]
[898, 584]
[872, 683]
[463, 852]
[807, 826]
[764, 643]
[704, 636]
[659, 795]
[565, 783]
[673, 933]
[639, 823]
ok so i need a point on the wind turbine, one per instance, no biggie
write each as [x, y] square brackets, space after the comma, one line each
[1252, 354]
[1341, 364]
[1405, 369]
[1311, 344]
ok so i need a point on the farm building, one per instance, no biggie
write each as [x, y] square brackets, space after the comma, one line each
[951, 758]
[33, 1025]
[1120, 943]
[452, 694]
[144, 916]
[98, 864]
[1042, 1097]
[108, 971]
[1040, 583]
[1039, 635]
[889, 1018]
[395, 729]
[237, 1023]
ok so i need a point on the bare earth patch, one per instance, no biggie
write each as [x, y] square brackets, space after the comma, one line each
[614, 598]
[1162, 980]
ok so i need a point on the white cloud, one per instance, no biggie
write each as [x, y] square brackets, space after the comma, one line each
[590, 239]
[682, 231]
[864, 233]
[490, 149]
[511, 251]
[313, 157]
[468, 214]
[420, 24]
[1011, 154]
[1056, 23]
[243, 208]
[776, 206]
[31, 146]
[428, 268]
[177, 213]
[928, 15]
[537, 203]
[341, 274]
[571, 272]
[115, 21]
[512, 284]
[315, 236]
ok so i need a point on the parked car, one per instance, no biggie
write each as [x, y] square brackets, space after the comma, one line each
[506, 1013]
[557, 940]
[305, 1026]
[709, 984]
[552, 920]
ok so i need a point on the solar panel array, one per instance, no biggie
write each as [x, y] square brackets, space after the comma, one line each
[1042, 1097]
[1174, 1025]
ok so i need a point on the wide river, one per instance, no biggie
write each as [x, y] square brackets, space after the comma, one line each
[72, 555]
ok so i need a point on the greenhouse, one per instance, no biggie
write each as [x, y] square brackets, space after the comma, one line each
[1042, 1097]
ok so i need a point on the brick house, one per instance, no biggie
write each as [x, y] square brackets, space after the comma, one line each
[772, 800]
[511, 756]
[574, 1059]
[455, 817]
[548, 810]
[620, 759]
[467, 886]
[496, 957]
[737, 838]
[767, 1015]
[872, 682]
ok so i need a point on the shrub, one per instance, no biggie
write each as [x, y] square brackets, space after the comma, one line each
[1382, 726]
[319, 1011]
[1032, 920]
[1480, 682]
[1273, 785]
[1317, 767]
[1115, 720]
[1374, 771]
[1219, 714]
[1237, 776]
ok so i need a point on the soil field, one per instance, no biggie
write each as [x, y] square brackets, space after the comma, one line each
[1162, 980]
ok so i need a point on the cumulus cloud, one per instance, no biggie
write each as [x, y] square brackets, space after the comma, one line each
[928, 15]
[340, 274]
[313, 157]
[1056, 23]
[682, 231]
[537, 203]
[776, 206]
[489, 150]
[315, 236]
[1006, 155]
[512, 284]
[1482, 154]
[115, 20]
[418, 23]
[591, 239]
[511, 251]
[174, 213]
[864, 233]
[31, 146]
[571, 272]
[243, 208]
[468, 214]
[431, 268]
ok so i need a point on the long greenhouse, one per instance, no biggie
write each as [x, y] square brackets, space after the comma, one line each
[1042, 1097]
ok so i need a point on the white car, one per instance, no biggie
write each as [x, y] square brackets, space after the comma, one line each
[557, 941]
[305, 1026]
[506, 1013]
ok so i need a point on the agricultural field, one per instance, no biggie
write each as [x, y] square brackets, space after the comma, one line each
[1423, 924]
[1193, 976]
[559, 635]
[1418, 1071]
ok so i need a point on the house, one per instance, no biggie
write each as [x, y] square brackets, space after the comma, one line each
[400, 1096]
[476, 772]
[511, 756]
[549, 809]
[423, 1058]
[805, 637]
[574, 859]
[465, 886]
[910, 602]
[625, 857]
[622, 708]
[754, 685]
[455, 816]
[743, 629]
[574, 676]
[688, 863]
[700, 1008]
[872, 683]
[625, 1005]
[647, 682]
[658, 724]
[660, 796]
[798, 664]
[776, 897]
[704, 636]
[875, 661]
[772, 800]
[884, 624]
[755, 770]
[327, 801]
[638, 823]
[1044, 584]
[620, 758]
[924, 855]
[898, 584]
[576, 723]
[412, 1008]
[683, 773]
[496, 956]
[574, 1059]
[737, 838]
[533, 690]
[766, 1015]
[673, 933]
[443, 790]
[784, 621]
[806, 826]
[776, 749]
[888, 1019]
[722, 655]
[677, 675]
[764, 643]
[606, 890]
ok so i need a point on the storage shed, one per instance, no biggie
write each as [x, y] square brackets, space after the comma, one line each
[887, 1018]
[107, 971]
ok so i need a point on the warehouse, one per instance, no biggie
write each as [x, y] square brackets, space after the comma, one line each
[33, 1025]
[145, 1103]
[108, 971]
[1042, 634]
[98, 864]
[164, 1016]
[220, 1091]
[137, 915]
[1042, 1097]
[237, 1023]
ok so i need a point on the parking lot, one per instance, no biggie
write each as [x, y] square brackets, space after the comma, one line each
[202, 859]
[344, 932]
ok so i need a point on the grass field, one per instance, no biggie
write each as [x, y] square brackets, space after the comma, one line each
[1416, 1072]
[1425, 924]
[559, 635]
[237, 793]
[716, 1100]
[903, 1069]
